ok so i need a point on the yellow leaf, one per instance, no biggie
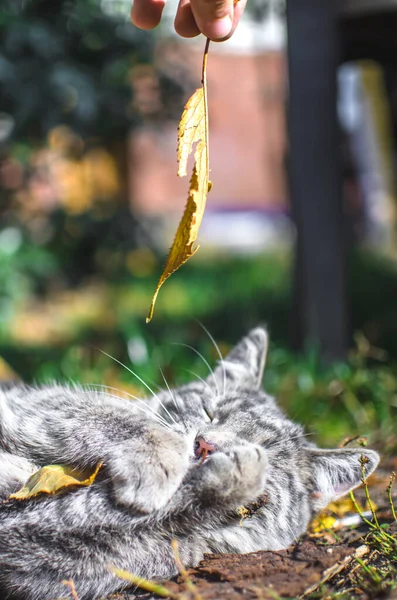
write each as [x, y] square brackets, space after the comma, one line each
[335, 511]
[342, 507]
[193, 129]
[322, 522]
[53, 478]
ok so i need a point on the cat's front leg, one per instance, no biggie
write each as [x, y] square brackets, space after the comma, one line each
[231, 478]
[147, 470]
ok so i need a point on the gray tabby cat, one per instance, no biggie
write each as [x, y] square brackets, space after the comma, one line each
[179, 469]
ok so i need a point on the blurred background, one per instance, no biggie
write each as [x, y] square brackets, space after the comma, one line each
[300, 227]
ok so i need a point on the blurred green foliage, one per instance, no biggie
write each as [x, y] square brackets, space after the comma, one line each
[228, 296]
[77, 274]
[24, 268]
[65, 61]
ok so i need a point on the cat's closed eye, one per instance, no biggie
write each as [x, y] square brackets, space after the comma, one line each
[208, 413]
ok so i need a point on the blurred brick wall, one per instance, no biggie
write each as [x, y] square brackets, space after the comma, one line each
[247, 135]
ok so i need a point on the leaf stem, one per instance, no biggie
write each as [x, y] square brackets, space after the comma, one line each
[204, 67]
[205, 98]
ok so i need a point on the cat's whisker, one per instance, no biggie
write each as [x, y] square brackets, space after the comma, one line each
[178, 408]
[154, 384]
[155, 411]
[275, 446]
[137, 376]
[202, 380]
[158, 419]
[218, 352]
[149, 413]
[129, 395]
[109, 387]
[204, 361]
[282, 442]
[162, 404]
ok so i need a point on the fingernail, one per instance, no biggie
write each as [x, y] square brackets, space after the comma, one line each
[221, 27]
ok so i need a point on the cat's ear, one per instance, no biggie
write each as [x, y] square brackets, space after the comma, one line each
[243, 366]
[337, 472]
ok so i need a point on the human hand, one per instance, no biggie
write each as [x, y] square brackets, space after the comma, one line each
[216, 19]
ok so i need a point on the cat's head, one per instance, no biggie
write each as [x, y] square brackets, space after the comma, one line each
[230, 407]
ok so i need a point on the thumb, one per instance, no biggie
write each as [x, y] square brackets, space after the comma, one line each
[214, 18]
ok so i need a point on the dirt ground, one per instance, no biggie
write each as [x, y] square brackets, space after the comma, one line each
[335, 562]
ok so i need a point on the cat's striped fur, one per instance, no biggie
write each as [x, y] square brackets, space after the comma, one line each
[154, 485]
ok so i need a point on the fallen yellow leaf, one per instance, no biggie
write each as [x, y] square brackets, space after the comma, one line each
[322, 522]
[193, 129]
[335, 511]
[53, 478]
[342, 507]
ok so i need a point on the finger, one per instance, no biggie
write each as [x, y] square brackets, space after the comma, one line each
[214, 18]
[239, 8]
[185, 24]
[146, 14]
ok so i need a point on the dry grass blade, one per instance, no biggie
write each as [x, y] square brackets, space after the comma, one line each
[144, 584]
[71, 586]
[389, 495]
[335, 569]
[184, 574]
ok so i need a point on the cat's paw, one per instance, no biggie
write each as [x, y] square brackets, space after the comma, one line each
[145, 475]
[236, 476]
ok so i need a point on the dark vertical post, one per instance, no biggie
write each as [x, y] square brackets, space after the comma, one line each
[320, 314]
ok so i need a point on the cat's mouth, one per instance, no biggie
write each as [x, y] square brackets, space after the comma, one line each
[203, 449]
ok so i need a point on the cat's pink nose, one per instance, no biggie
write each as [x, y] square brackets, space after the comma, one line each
[202, 448]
